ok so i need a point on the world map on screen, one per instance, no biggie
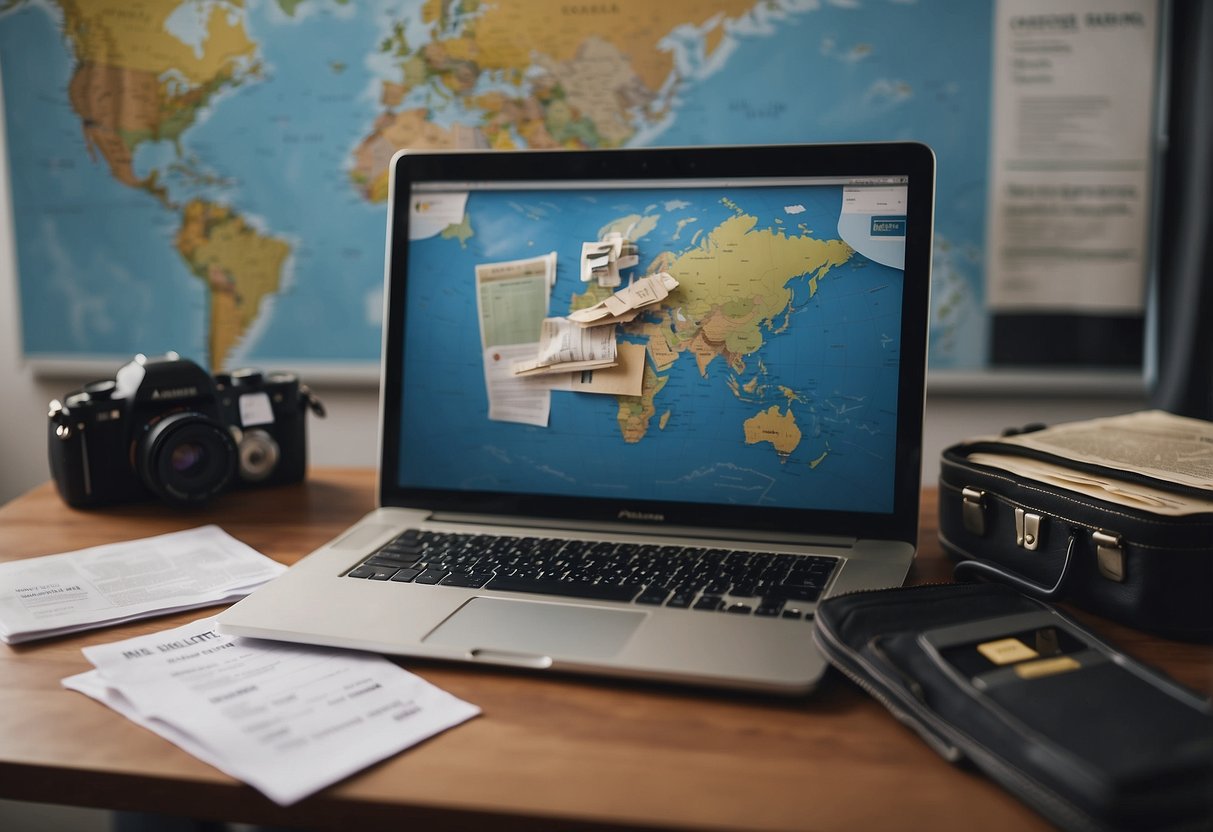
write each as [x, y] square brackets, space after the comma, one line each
[772, 369]
[210, 177]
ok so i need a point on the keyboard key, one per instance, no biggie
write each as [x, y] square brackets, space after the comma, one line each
[406, 575]
[739, 609]
[709, 602]
[430, 576]
[472, 580]
[380, 573]
[791, 613]
[794, 592]
[568, 589]
[361, 572]
[653, 595]
[681, 599]
[391, 562]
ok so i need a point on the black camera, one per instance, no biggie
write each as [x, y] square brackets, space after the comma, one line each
[165, 428]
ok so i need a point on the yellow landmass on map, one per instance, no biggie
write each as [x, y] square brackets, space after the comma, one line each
[240, 266]
[392, 131]
[586, 73]
[771, 425]
[733, 285]
[732, 290]
[635, 412]
[134, 81]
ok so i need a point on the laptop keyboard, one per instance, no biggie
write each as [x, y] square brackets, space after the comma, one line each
[680, 577]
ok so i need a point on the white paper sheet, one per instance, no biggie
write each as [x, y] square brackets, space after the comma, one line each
[102, 585]
[512, 300]
[288, 720]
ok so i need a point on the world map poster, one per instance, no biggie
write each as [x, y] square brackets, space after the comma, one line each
[211, 177]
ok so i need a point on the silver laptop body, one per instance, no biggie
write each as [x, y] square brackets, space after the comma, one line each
[658, 536]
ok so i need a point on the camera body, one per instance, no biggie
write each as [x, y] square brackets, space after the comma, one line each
[164, 428]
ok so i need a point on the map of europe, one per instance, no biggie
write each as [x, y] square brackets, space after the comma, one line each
[210, 176]
[772, 369]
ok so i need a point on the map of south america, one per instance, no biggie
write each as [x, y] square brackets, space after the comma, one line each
[137, 82]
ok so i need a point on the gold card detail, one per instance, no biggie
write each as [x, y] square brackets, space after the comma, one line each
[1006, 651]
[1046, 667]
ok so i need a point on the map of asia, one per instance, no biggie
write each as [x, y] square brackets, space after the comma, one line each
[210, 177]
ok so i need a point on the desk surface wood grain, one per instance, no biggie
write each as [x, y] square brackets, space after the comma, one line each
[549, 752]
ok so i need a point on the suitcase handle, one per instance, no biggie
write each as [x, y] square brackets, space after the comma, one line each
[976, 568]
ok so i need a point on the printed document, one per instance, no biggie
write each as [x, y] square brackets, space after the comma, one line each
[511, 302]
[565, 347]
[57, 594]
[1071, 154]
[1153, 443]
[287, 719]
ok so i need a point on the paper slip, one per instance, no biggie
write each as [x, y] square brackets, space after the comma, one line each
[512, 398]
[624, 379]
[605, 259]
[565, 348]
[286, 719]
[57, 594]
[512, 301]
[628, 302]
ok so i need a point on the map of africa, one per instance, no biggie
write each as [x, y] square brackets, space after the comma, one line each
[772, 369]
[210, 176]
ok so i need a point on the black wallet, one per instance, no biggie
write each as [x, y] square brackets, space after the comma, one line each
[1089, 737]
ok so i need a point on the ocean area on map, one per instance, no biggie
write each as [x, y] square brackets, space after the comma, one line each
[78, 260]
[247, 224]
[293, 132]
[802, 414]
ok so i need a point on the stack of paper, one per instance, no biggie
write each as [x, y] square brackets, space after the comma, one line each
[57, 594]
[627, 303]
[288, 720]
[566, 348]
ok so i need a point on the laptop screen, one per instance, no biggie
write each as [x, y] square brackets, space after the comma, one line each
[629, 336]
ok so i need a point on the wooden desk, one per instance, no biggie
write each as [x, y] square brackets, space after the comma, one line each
[548, 753]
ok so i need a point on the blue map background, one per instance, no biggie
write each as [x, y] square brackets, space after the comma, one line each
[100, 278]
[839, 354]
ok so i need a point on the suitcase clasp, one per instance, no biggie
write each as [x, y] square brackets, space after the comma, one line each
[974, 510]
[1109, 555]
[1027, 529]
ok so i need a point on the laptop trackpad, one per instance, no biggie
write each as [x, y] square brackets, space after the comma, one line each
[536, 629]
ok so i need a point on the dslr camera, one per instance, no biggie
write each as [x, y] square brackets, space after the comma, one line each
[164, 428]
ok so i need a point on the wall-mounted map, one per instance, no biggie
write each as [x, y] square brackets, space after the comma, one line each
[211, 177]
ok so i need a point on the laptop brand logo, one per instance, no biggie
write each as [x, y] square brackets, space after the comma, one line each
[625, 514]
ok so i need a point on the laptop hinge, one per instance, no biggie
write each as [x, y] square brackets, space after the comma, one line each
[647, 531]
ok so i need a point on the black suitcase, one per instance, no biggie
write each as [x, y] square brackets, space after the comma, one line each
[1138, 567]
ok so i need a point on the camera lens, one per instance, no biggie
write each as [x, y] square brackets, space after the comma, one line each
[186, 458]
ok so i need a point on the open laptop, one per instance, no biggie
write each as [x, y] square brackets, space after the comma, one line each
[755, 448]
